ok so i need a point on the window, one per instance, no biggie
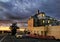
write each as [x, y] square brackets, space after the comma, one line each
[43, 21]
[43, 15]
[45, 33]
[41, 32]
[48, 21]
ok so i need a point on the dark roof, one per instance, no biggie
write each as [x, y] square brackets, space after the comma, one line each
[42, 12]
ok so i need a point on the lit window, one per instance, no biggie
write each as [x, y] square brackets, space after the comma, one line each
[48, 21]
[43, 15]
[43, 21]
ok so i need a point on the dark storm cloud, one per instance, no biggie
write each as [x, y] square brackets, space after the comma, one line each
[22, 9]
[52, 8]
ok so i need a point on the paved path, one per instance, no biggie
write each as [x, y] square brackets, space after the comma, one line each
[2, 37]
[10, 38]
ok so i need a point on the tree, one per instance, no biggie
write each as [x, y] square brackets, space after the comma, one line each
[14, 28]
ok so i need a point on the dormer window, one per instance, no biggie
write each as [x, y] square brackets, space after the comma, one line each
[41, 15]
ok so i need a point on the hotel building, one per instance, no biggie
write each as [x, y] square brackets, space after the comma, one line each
[44, 25]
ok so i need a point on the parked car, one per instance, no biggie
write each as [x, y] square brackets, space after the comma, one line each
[21, 35]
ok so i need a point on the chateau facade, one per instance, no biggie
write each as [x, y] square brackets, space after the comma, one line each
[44, 25]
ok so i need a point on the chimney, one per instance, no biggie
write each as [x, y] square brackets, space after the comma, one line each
[38, 12]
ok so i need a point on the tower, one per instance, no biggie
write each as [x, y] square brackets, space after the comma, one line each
[37, 11]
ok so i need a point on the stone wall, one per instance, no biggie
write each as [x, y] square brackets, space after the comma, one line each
[51, 31]
[54, 31]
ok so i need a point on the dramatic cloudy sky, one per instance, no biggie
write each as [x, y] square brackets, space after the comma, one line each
[23, 9]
